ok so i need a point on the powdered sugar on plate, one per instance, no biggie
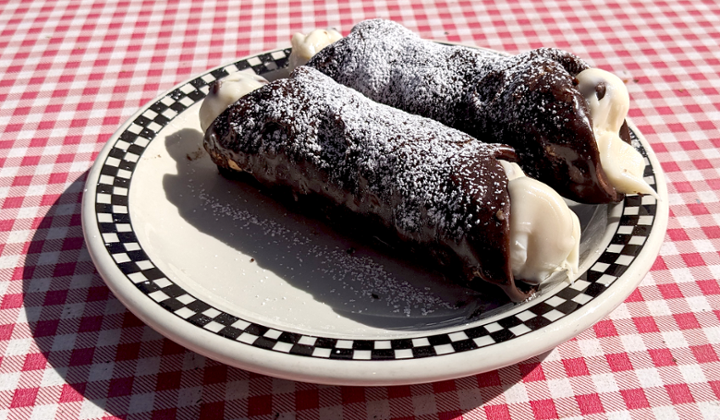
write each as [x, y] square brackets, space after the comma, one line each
[360, 275]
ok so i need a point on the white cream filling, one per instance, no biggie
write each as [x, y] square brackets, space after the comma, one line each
[544, 232]
[229, 90]
[623, 165]
[304, 47]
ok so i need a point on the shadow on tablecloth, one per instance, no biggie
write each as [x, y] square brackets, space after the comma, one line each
[100, 359]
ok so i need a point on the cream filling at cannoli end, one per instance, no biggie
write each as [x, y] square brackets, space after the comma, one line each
[304, 47]
[544, 232]
[623, 165]
[225, 92]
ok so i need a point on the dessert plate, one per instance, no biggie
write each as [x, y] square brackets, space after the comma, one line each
[222, 269]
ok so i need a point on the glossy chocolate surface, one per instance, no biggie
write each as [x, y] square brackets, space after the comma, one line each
[435, 188]
[528, 101]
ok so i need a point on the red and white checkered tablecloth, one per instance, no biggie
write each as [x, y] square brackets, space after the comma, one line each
[71, 72]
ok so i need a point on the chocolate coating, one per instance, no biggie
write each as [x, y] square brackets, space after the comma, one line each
[528, 101]
[434, 187]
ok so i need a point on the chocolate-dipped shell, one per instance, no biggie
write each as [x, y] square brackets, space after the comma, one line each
[529, 101]
[433, 186]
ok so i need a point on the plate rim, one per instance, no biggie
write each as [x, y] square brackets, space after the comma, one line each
[358, 372]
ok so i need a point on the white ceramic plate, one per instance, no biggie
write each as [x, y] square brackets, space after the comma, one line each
[218, 267]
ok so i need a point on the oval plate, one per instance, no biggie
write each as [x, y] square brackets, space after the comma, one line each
[225, 271]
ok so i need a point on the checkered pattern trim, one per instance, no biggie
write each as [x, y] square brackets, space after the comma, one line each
[635, 214]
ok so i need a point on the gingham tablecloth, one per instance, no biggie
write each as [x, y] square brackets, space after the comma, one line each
[73, 71]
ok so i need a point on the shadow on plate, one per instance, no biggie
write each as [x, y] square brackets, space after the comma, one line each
[352, 273]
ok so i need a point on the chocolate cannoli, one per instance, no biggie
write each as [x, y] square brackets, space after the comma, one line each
[530, 101]
[432, 186]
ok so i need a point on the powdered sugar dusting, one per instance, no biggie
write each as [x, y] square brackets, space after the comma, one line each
[529, 101]
[376, 159]
[390, 64]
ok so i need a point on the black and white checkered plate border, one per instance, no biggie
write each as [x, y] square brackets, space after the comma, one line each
[113, 219]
